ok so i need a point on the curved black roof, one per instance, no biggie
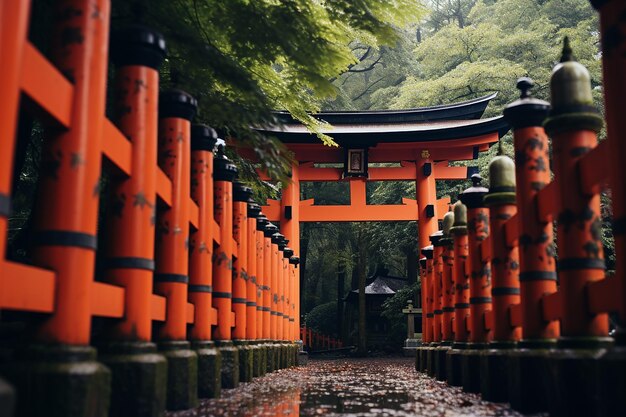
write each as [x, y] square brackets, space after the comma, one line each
[464, 110]
[370, 134]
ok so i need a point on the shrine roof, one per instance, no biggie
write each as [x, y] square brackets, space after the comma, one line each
[465, 110]
[369, 134]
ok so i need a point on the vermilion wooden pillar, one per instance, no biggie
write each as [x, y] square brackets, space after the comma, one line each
[129, 249]
[613, 371]
[480, 283]
[427, 308]
[287, 316]
[536, 250]
[275, 269]
[176, 109]
[447, 333]
[431, 355]
[461, 295]
[573, 124]
[241, 196]
[203, 139]
[269, 259]
[426, 195]
[261, 222]
[224, 172]
[505, 285]
[290, 228]
[66, 209]
[251, 290]
[13, 29]
[293, 262]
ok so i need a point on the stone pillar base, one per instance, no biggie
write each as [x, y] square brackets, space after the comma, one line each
[470, 368]
[260, 358]
[572, 388]
[528, 377]
[271, 357]
[431, 359]
[209, 369]
[494, 372]
[303, 358]
[611, 381]
[182, 374]
[453, 364]
[246, 360]
[230, 363]
[7, 399]
[59, 381]
[139, 378]
[440, 361]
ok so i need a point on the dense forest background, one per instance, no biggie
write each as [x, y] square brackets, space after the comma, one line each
[461, 50]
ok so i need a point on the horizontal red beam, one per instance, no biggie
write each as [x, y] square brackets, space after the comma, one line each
[26, 288]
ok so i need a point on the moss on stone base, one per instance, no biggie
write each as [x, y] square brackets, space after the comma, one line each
[246, 360]
[209, 369]
[59, 381]
[230, 363]
[139, 378]
[182, 374]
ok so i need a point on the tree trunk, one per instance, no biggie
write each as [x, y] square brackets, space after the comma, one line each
[341, 279]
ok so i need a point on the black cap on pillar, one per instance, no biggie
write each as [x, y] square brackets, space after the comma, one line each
[203, 138]
[287, 253]
[526, 111]
[223, 168]
[436, 237]
[254, 210]
[277, 239]
[138, 45]
[261, 222]
[423, 263]
[269, 230]
[241, 192]
[177, 103]
[427, 251]
[294, 260]
[473, 196]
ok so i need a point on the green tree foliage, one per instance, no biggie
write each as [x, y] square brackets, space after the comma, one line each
[323, 318]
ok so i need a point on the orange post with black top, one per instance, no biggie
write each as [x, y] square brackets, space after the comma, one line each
[288, 280]
[427, 291]
[435, 238]
[241, 196]
[505, 286]
[261, 222]
[447, 293]
[176, 109]
[461, 277]
[203, 139]
[66, 213]
[268, 261]
[251, 288]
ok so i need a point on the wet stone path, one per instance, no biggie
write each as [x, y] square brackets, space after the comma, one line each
[348, 387]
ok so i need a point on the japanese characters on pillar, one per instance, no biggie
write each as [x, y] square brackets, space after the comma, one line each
[437, 286]
[537, 263]
[203, 139]
[461, 275]
[254, 210]
[573, 124]
[241, 196]
[176, 109]
[447, 332]
[65, 219]
[224, 173]
[505, 258]
[129, 257]
[261, 223]
[269, 267]
[427, 295]
[480, 275]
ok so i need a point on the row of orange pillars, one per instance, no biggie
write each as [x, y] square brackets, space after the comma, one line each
[198, 290]
[312, 340]
[509, 316]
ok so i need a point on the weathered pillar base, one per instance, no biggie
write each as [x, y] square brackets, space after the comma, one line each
[470, 367]
[420, 358]
[209, 369]
[430, 359]
[59, 381]
[572, 387]
[7, 399]
[440, 360]
[528, 376]
[494, 371]
[302, 355]
[272, 354]
[453, 364]
[182, 374]
[246, 360]
[260, 358]
[611, 379]
[139, 378]
[230, 363]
